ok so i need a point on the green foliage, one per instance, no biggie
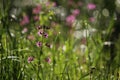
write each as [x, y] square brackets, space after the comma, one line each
[63, 55]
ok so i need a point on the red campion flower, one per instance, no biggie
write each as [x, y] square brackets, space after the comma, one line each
[30, 59]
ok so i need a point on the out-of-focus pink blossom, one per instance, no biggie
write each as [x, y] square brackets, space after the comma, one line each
[39, 27]
[91, 6]
[40, 32]
[25, 30]
[48, 60]
[76, 12]
[47, 4]
[92, 19]
[30, 59]
[36, 18]
[70, 20]
[30, 37]
[37, 9]
[54, 4]
[45, 35]
[25, 20]
[51, 4]
[39, 44]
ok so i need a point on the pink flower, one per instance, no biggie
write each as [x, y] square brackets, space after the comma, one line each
[38, 27]
[45, 35]
[47, 4]
[51, 4]
[39, 44]
[76, 12]
[48, 60]
[30, 59]
[25, 20]
[91, 6]
[25, 30]
[54, 4]
[36, 18]
[40, 32]
[70, 19]
[92, 19]
[37, 9]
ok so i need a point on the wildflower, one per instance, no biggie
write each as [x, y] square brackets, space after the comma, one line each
[25, 20]
[91, 6]
[70, 19]
[47, 4]
[24, 30]
[39, 27]
[76, 12]
[37, 9]
[30, 59]
[48, 60]
[39, 44]
[45, 35]
[40, 32]
[54, 4]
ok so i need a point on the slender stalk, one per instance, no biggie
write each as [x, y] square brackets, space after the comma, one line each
[1, 54]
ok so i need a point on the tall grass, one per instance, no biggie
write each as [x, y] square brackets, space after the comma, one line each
[61, 56]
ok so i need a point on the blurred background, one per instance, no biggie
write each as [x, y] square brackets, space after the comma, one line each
[59, 40]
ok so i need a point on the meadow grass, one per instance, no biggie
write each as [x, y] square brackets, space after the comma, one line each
[55, 54]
